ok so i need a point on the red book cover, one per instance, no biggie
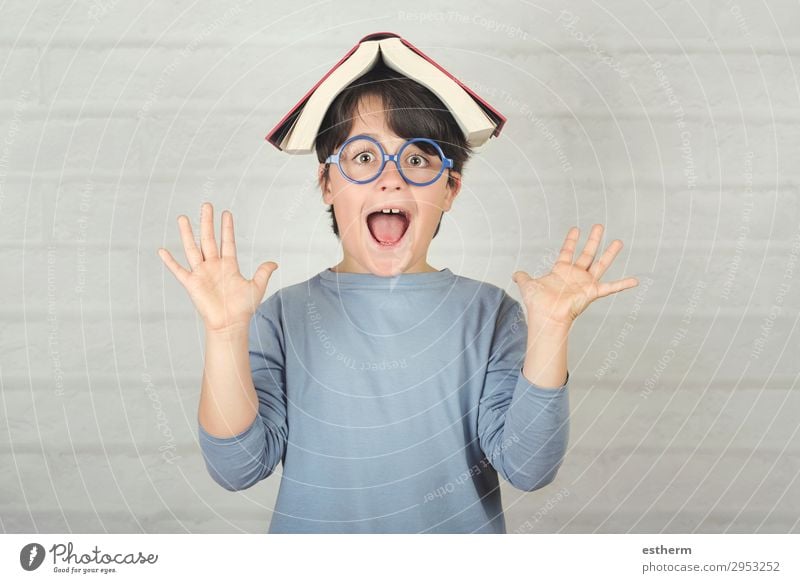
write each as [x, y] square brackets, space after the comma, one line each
[279, 131]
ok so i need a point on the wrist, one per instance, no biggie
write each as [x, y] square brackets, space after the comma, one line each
[546, 326]
[228, 333]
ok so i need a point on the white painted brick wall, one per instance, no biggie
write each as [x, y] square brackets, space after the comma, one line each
[116, 119]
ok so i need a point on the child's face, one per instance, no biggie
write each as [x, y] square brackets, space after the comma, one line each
[354, 202]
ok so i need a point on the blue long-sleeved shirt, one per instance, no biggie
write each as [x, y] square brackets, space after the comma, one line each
[393, 403]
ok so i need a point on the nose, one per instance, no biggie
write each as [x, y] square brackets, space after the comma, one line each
[390, 177]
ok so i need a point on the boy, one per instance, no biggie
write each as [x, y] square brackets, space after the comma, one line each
[393, 393]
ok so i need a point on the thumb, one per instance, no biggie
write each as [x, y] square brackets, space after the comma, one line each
[262, 275]
[520, 277]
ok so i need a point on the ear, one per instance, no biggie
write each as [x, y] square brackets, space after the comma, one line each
[452, 192]
[325, 185]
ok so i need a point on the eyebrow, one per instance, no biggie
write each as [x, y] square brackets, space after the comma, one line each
[376, 137]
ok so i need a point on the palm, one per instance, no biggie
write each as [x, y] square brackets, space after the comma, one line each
[222, 296]
[220, 293]
[563, 294]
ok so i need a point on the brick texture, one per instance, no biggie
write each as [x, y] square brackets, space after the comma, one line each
[674, 124]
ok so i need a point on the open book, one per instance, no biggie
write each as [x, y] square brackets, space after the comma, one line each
[297, 131]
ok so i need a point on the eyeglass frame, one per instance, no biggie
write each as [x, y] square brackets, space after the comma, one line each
[447, 163]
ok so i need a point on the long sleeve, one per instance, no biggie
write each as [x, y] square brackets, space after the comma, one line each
[523, 428]
[240, 461]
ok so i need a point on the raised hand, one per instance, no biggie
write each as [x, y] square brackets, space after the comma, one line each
[563, 294]
[224, 298]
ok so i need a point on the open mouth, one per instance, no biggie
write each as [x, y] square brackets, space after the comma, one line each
[388, 226]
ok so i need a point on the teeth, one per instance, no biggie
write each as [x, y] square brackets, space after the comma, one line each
[390, 211]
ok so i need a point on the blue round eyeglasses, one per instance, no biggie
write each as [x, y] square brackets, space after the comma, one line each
[361, 159]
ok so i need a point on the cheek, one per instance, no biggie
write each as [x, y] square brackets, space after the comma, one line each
[347, 210]
[348, 221]
[426, 221]
[430, 211]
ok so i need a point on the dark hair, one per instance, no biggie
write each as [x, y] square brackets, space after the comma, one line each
[412, 111]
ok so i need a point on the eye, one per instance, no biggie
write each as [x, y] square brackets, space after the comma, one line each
[417, 160]
[364, 157]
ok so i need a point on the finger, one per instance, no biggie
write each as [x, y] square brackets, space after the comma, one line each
[601, 265]
[568, 248]
[520, 277]
[208, 242]
[228, 241]
[261, 278]
[177, 270]
[589, 250]
[193, 254]
[605, 289]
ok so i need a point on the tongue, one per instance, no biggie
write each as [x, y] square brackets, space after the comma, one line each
[387, 228]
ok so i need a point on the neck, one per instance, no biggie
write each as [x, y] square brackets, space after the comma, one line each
[344, 267]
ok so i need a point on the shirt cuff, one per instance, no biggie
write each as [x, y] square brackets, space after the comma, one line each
[244, 436]
[524, 384]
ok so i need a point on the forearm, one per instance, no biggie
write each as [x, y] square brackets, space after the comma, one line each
[536, 429]
[545, 362]
[228, 400]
